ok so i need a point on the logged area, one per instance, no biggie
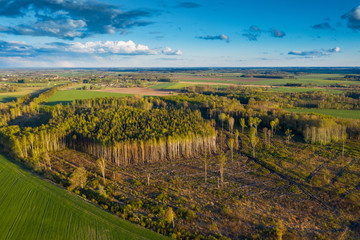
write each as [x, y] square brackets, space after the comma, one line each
[192, 159]
[32, 208]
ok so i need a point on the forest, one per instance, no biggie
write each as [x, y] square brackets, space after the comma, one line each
[201, 163]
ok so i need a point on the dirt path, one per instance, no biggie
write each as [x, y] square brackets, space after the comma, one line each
[138, 91]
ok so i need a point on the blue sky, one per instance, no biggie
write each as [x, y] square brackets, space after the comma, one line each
[159, 33]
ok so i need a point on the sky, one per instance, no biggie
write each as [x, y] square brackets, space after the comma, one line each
[159, 33]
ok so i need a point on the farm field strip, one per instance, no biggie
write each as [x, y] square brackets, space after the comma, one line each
[134, 91]
[67, 96]
[32, 208]
[340, 113]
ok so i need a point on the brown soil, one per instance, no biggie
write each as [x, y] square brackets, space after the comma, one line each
[138, 91]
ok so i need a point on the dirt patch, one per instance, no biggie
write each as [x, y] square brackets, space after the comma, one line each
[138, 91]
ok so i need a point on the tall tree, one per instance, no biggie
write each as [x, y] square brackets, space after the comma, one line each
[231, 146]
[102, 167]
[231, 122]
[256, 122]
[222, 118]
[343, 138]
[243, 125]
[254, 140]
[222, 160]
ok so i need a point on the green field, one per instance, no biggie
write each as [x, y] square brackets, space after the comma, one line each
[314, 79]
[178, 86]
[354, 114]
[10, 96]
[32, 208]
[302, 89]
[67, 96]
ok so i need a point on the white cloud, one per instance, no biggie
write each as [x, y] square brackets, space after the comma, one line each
[169, 51]
[315, 53]
[335, 49]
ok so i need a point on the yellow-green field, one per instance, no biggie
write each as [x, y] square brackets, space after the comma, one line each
[10, 96]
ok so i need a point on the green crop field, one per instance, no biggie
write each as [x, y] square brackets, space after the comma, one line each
[177, 86]
[164, 85]
[354, 114]
[67, 96]
[314, 79]
[32, 208]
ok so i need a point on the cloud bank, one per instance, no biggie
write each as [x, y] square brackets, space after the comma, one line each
[254, 32]
[353, 18]
[77, 49]
[66, 19]
[315, 53]
[277, 33]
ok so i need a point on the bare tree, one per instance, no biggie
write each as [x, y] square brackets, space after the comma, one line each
[231, 122]
[222, 160]
[148, 179]
[206, 162]
[343, 138]
[231, 146]
[102, 166]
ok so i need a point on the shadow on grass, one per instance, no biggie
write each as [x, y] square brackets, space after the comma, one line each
[58, 102]
[7, 99]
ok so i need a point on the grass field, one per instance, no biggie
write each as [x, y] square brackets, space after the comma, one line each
[67, 96]
[314, 79]
[178, 86]
[10, 96]
[31, 208]
[354, 114]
